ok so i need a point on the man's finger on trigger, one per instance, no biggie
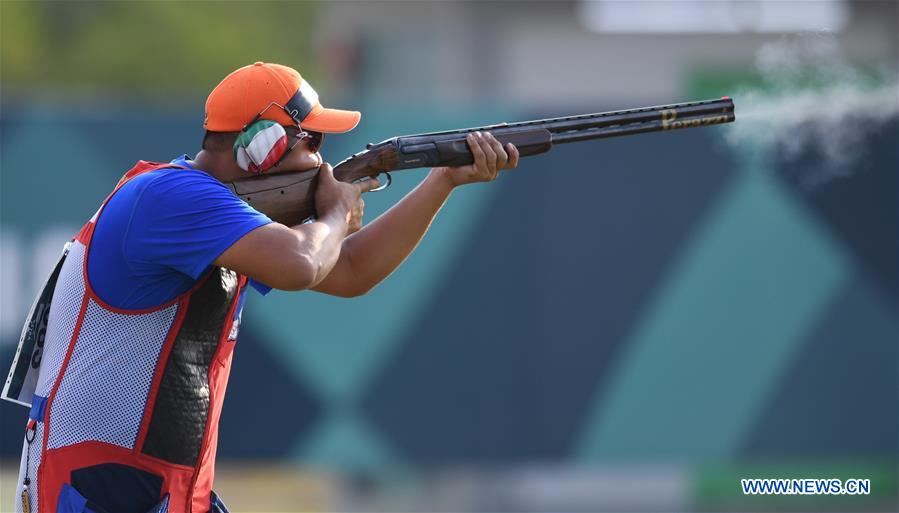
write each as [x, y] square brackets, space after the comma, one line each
[367, 184]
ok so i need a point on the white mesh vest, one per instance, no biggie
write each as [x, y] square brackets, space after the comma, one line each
[130, 395]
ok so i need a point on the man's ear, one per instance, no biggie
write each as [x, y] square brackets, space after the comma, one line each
[261, 146]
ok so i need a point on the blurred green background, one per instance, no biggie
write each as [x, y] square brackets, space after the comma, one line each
[625, 325]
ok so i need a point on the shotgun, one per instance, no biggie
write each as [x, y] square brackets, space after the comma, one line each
[289, 197]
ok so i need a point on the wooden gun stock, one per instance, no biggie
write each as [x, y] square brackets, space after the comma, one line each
[287, 198]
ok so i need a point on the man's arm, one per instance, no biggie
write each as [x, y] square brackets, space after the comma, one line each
[302, 256]
[368, 256]
[287, 258]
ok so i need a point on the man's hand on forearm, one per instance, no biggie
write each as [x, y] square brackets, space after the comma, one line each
[490, 156]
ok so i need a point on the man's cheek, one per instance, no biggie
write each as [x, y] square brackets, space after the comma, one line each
[300, 161]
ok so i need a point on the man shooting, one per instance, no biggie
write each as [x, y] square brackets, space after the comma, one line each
[146, 305]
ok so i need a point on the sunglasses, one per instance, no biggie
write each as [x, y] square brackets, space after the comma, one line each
[314, 140]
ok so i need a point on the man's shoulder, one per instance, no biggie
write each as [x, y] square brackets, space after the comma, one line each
[172, 183]
[173, 175]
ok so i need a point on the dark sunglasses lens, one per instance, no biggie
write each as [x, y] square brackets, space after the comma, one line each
[315, 140]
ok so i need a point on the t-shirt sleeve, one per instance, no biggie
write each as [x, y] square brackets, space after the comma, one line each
[184, 220]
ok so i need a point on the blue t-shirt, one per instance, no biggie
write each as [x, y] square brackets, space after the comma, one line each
[161, 232]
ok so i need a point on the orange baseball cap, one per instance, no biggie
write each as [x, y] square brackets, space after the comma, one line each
[246, 92]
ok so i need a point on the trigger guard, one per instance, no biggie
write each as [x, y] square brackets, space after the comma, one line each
[386, 184]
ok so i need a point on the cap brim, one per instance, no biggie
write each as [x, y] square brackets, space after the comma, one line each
[331, 121]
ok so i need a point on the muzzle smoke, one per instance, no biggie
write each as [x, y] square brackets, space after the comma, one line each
[812, 102]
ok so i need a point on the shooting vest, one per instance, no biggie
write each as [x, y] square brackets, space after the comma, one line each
[129, 400]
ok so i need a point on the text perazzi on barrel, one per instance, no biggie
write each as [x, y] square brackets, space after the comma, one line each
[289, 197]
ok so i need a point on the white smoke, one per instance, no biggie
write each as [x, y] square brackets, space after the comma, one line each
[812, 102]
